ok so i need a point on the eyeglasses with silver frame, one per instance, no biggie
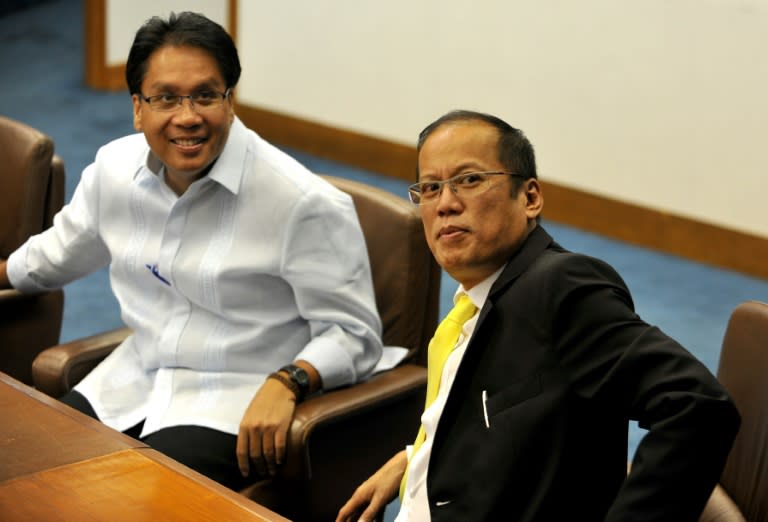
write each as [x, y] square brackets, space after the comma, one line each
[467, 185]
[202, 100]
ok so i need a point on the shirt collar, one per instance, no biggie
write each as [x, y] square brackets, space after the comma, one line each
[479, 293]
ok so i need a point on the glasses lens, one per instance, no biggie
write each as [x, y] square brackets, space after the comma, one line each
[200, 101]
[413, 194]
[463, 185]
[207, 99]
[163, 102]
[470, 184]
[426, 192]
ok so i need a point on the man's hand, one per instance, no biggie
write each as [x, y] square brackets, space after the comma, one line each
[375, 493]
[264, 429]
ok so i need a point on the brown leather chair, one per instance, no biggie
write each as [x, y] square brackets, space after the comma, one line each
[31, 192]
[743, 490]
[339, 438]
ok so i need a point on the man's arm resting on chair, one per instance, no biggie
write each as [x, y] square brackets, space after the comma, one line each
[264, 427]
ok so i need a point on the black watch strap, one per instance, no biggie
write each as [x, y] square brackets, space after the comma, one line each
[299, 377]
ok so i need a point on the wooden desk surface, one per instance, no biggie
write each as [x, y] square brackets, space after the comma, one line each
[130, 485]
[38, 433]
[58, 464]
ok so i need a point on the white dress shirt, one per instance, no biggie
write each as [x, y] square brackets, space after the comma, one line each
[257, 264]
[415, 504]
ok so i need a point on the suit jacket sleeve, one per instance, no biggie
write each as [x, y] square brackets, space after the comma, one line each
[612, 356]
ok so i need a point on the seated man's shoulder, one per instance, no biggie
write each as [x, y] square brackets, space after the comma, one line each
[558, 265]
[121, 155]
[280, 174]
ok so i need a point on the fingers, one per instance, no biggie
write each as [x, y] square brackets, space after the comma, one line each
[376, 492]
[250, 452]
[362, 505]
[264, 450]
[268, 460]
[281, 436]
[377, 504]
[243, 452]
[272, 451]
[349, 511]
[369, 515]
[261, 441]
[256, 439]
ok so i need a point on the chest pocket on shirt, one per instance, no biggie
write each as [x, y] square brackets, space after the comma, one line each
[513, 394]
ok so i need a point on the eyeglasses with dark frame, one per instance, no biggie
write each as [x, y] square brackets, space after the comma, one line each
[467, 185]
[202, 100]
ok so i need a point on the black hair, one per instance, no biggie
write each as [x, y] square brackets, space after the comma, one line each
[514, 150]
[183, 29]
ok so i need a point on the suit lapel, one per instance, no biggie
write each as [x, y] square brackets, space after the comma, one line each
[536, 243]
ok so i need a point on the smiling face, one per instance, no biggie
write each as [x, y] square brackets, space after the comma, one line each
[186, 140]
[471, 238]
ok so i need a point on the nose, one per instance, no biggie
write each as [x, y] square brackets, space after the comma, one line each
[450, 203]
[186, 101]
[187, 111]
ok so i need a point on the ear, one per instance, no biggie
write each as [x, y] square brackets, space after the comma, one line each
[231, 107]
[136, 112]
[534, 198]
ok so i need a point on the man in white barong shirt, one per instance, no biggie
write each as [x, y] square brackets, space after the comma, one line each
[231, 262]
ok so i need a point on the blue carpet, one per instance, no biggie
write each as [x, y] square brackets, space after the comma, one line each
[42, 85]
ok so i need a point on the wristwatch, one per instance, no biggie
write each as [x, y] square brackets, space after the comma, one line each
[299, 377]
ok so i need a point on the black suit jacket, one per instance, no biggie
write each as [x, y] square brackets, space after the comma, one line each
[566, 363]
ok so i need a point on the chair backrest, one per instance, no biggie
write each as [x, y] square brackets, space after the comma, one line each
[31, 193]
[743, 371]
[406, 277]
[31, 183]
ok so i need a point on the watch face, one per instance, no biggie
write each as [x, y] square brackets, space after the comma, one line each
[299, 376]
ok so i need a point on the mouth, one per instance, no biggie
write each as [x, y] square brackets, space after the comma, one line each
[450, 232]
[189, 144]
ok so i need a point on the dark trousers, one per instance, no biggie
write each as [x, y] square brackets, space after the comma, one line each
[205, 450]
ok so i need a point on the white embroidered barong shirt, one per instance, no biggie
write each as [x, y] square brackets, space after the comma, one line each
[257, 264]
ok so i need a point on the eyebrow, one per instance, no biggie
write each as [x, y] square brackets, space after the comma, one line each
[463, 168]
[211, 84]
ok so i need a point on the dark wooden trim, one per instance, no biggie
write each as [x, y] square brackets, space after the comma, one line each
[659, 230]
[332, 143]
[232, 20]
[94, 45]
[100, 75]
[114, 78]
[634, 224]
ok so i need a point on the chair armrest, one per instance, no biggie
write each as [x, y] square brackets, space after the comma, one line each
[57, 369]
[12, 296]
[356, 399]
[339, 438]
[720, 508]
[29, 323]
[352, 403]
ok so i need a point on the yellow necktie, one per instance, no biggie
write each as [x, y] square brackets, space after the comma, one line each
[440, 347]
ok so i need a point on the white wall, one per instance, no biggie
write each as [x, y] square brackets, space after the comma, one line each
[662, 103]
[124, 18]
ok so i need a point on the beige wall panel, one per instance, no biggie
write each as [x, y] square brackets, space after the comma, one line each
[124, 18]
[658, 103]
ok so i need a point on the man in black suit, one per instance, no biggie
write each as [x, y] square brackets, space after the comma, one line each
[531, 416]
